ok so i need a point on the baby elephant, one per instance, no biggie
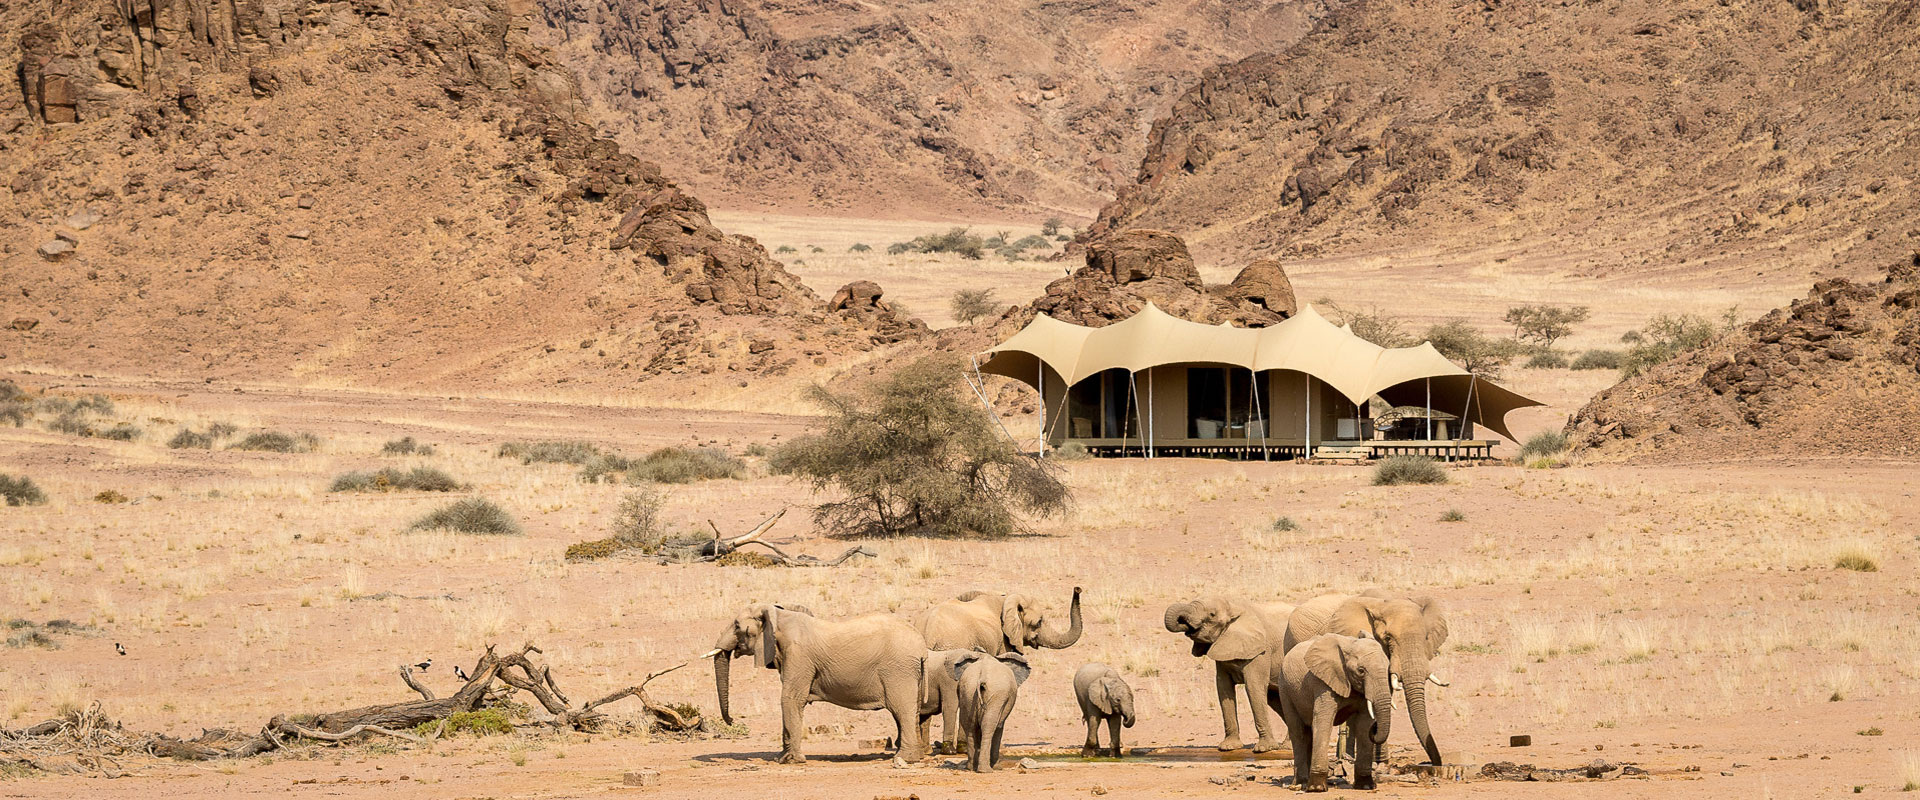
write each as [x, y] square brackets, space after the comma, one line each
[1323, 682]
[988, 686]
[1103, 696]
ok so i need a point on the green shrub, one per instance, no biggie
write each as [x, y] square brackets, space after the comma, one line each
[1051, 227]
[784, 249]
[1664, 337]
[19, 490]
[1371, 324]
[1597, 359]
[277, 442]
[758, 450]
[122, 432]
[406, 446]
[472, 515]
[955, 240]
[1545, 324]
[914, 453]
[1397, 470]
[1544, 443]
[558, 451]
[1285, 525]
[899, 248]
[1071, 451]
[15, 413]
[971, 304]
[10, 391]
[604, 466]
[1465, 345]
[32, 638]
[388, 479]
[188, 438]
[859, 247]
[1548, 359]
[637, 526]
[683, 465]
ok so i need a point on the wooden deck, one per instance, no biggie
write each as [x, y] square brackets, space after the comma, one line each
[1284, 449]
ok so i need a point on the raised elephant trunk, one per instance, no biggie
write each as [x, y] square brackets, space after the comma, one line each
[1179, 617]
[722, 682]
[1055, 639]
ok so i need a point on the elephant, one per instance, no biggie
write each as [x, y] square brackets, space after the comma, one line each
[1103, 695]
[1410, 629]
[1245, 640]
[989, 686]
[1323, 682]
[940, 689]
[864, 663]
[994, 624]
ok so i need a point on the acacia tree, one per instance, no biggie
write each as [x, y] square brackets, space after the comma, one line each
[971, 304]
[1545, 324]
[1479, 353]
[914, 453]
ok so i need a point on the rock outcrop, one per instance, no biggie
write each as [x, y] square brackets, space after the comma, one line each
[1126, 271]
[1836, 374]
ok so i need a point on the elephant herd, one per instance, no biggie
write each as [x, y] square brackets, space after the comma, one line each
[1335, 659]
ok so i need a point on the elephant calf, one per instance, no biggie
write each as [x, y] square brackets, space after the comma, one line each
[1323, 682]
[1103, 696]
[989, 685]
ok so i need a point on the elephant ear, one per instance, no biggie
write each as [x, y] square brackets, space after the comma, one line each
[1106, 696]
[960, 664]
[1436, 623]
[1326, 662]
[1017, 663]
[1353, 618]
[1012, 627]
[766, 655]
[1245, 638]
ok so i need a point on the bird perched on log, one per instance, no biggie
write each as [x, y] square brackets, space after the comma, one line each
[460, 673]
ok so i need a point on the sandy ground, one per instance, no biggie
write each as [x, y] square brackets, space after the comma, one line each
[1674, 618]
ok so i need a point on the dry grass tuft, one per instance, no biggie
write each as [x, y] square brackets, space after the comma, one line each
[418, 479]
[472, 515]
[20, 490]
[1856, 557]
[277, 442]
[1398, 470]
[1909, 775]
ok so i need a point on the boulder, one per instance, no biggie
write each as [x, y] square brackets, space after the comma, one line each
[1264, 283]
[1126, 271]
[56, 249]
[1139, 255]
[856, 295]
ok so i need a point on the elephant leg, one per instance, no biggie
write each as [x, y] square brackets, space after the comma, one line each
[1323, 709]
[967, 722]
[951, 728]
[902, 696]
[1301, 737]
[1359, 732]
[793, 704]
[1223, 687]
[1093, 737]
[993, 757]
[1256, 674]
[1113, 728]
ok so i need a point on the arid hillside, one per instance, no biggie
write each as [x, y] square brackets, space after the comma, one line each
[1773, 141]
[893, 107]
[383, 193]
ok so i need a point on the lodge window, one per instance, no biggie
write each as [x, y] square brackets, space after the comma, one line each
[1220, 404]
[1101, 407]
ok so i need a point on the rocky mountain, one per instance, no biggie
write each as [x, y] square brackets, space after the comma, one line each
[1691, 137]
[1836, 374]
[390, 192]
[892, 106]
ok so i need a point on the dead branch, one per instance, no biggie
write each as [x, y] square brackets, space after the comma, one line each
[406, 674]
[347, 734]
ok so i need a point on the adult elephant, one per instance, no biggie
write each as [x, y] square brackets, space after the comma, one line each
[865, 663]
[1246, 642]
[994, 624]
[1411, 630]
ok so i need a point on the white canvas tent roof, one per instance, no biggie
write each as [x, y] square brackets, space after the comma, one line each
[1305, 342]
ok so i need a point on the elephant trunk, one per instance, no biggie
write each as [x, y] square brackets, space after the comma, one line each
[1126, 709]
[722, 682]
[1176, 618]
[1416, 690]
[1057, 640]
[1381, 698]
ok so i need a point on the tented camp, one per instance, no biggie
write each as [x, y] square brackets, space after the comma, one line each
[1155, 384]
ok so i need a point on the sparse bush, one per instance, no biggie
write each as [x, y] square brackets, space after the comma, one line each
[188, 438]
[1071, 451]
[480, 722]
[1545, 324]
[971, 304]
[1465, 345]
[10, 391]
[560, 451]
[1547, 359]
[277, 442]
[1371, 324]
[1856, 557]
[955, 240]
[1285, 525]
[1664, 337]
[859, 247]
[636, 526]
[471, 515]
[1597, 359]
[1397, 470]
[418, 479]
[814, 248]
[604, 466]
[758, 450]
[899, 248]
[110, 497]
[16, 413]
[31, 637]
[1453, 515]
[784, 249]
[912, 454]
[19, 490]
[1544, 443]
[406, 446]
[683, 465]
[1051, 227]
[122, 432]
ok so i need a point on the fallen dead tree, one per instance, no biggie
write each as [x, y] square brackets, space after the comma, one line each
[721, 549]
[86, 741]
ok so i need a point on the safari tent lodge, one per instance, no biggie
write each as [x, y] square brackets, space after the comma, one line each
[1155, 384]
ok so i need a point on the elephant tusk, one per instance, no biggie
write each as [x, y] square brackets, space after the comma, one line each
[1370, 715]
[711, 653]
[1436, 680]
[1396, 682]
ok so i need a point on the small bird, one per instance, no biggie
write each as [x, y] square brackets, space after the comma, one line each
[118, 648]
[424, 665]
[460, 673]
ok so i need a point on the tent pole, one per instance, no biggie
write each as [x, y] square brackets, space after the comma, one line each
[1040, 385]
[1306, 441]
[1255, 383]
[1133, 387]
[1471, 378]
[1149, 431]
[1429, 382]
[980, 389]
